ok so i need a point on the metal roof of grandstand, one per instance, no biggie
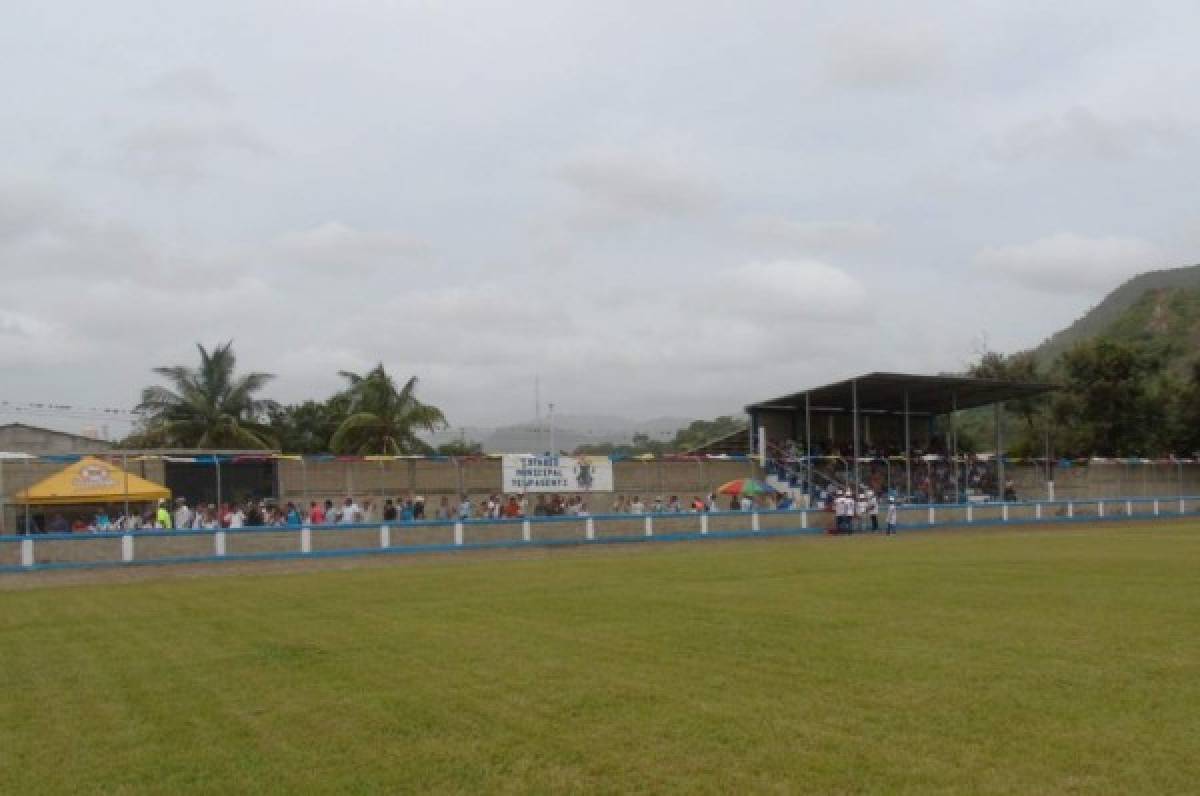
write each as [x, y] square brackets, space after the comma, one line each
[927, 395]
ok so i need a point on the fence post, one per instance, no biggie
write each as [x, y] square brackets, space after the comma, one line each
[306, 540]
[1128, 508]
[126, 548]
[970, 513]
[1070, 509]
[385, 536]
[591, 529]
[804, 520]
[1099, 508]
[1181, 510]
[1037, 511]
[458, 533]
[1004, 512]
[754, 521]
[649, 525]
[219, 543]
[704, 523]
[527, 530]
[27, 552]
[932, 516]
[1156, 507]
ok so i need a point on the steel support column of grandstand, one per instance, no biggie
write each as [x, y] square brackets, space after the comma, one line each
[907, 452]
[808, 484]
[998, 414]
[954, 444]
[857, 453]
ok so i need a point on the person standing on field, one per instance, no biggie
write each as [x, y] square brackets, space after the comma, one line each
[873, 510]
[891, 517]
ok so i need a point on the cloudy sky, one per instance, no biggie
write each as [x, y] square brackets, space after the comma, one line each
[658, 207]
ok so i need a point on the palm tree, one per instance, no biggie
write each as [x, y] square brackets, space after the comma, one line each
[383, 419]
[207, 407]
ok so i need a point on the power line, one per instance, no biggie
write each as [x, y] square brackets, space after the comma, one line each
[48, 407]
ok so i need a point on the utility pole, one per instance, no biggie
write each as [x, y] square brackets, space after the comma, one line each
[537, 408]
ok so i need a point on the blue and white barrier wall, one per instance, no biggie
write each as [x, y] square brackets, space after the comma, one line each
[131, 548]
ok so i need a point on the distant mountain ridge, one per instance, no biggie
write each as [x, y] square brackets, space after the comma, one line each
[570, 431]
[1160, 309]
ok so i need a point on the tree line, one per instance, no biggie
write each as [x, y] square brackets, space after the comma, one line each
[211, 406]
[1113, 399]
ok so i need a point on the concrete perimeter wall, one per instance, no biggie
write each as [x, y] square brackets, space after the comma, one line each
[436, 479]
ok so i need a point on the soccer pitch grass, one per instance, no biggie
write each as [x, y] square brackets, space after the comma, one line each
[1007, 661]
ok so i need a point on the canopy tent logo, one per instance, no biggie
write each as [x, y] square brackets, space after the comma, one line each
[94, 476]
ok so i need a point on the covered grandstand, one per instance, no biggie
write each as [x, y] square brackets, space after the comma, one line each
[879, 416]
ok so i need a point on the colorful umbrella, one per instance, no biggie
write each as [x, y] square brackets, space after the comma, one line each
[745, 486]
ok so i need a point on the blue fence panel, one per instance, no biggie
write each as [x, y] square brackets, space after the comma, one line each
[66, 550]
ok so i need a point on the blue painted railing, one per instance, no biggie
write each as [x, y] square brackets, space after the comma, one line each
[129, 548]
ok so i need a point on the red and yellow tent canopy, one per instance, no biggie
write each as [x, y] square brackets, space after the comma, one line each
[91, 480]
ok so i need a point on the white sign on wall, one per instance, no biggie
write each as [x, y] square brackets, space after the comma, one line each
[528, 473]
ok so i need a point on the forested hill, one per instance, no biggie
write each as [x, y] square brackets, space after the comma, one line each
[1158, 308]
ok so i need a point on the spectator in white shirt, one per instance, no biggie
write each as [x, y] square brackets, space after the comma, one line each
[183, 515]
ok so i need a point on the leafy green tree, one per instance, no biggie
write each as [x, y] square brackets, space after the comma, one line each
[1031, 414]
[460, 448]
[1113, 400]
[308, 427]
[1184, 426]
[382, 419]
[700, 432]
[206, 407]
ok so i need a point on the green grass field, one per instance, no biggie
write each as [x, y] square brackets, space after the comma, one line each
[1015, 661]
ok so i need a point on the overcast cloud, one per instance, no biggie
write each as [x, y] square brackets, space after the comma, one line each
[659, 208]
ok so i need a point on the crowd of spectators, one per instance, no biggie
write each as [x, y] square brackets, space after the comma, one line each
[266, 513]
[935, 479]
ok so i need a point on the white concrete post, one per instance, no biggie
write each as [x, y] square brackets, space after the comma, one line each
[27, 552]
[754, 521]
[703, 523]
[1156, 507]
[1070, 509]
[1004, 512]
[804, 519]
[1037, 510]
[306, 540]
[527, 530]
[1099, 508]
[126, 548]
[1128, 508]
[649, 525]
[385, 537]
[590, 529]
[458, 533]
[1181, 510]
[932, 516]
[219, 543]
[970, 513]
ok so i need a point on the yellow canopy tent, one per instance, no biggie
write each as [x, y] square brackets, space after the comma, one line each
[91, 480]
